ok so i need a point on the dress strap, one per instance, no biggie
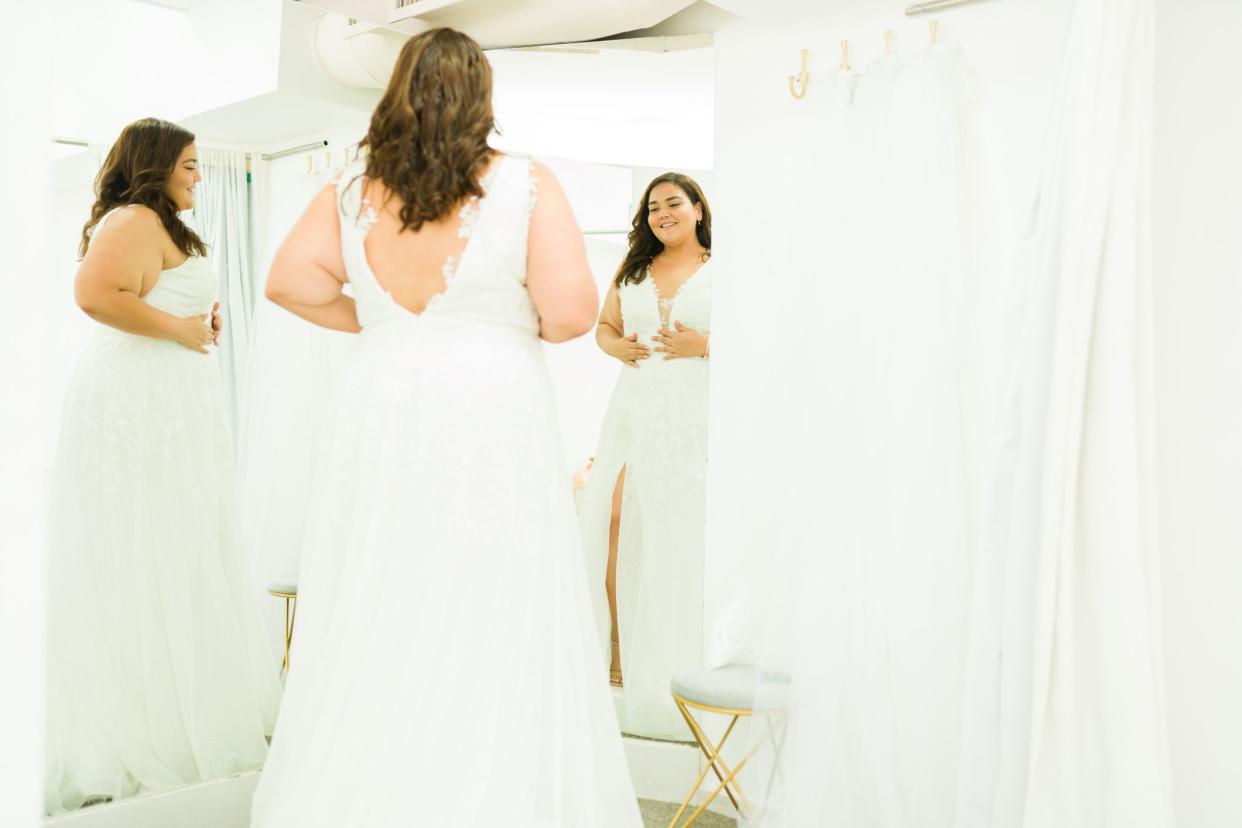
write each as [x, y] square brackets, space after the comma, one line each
[353, 206]
[102, 221]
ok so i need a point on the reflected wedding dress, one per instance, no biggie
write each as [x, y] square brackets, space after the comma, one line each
[656, 428]
[159, 674]
[445, 672]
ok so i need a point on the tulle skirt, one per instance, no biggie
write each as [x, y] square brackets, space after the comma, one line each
[445, 669]
[158, 670]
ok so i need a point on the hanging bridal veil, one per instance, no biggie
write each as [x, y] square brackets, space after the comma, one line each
[1068, 723]
[961, 587]
[862, 597]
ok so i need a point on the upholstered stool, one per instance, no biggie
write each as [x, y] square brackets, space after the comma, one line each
[289, 592]
[728, 691]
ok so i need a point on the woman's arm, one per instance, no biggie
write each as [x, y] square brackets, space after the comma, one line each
[610, 327]
[558, 276]
[308, 272]
[108, 284]
[610, 333]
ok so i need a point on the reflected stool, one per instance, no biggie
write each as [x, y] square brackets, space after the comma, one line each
[728, 691]
[288, 591]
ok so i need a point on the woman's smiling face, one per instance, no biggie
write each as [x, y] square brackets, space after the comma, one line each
[671, 215]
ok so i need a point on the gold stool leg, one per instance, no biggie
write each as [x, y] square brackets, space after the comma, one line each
[724, 785]
[715, 762]
[729, 783]
[291, 614]
[699, 781]
[778, 745]
[712, 753]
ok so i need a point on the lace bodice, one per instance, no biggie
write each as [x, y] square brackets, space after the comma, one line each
[486, 284]
[643, 311]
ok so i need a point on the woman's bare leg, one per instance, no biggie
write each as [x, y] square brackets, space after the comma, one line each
[610, 579]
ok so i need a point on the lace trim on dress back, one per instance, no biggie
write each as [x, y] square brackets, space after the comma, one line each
[467, 217]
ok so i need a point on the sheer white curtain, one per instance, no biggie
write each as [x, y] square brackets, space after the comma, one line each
[1067, 725]
[222, 216]
[959, 574]
[285, 391]
[868, 386]
[1083, 739]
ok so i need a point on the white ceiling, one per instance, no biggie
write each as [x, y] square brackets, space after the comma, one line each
[269, 119]
[622, 102]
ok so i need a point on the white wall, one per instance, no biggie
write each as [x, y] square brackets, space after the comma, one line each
[613, 107]
[72, 197]
[115, 61]
[1198, 283]
[24, 411]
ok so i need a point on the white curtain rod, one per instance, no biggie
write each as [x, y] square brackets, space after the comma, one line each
[935, 5]
[268, 156]
[79, 142]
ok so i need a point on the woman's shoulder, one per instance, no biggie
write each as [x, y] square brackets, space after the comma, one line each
[130, 224]
[133, 217]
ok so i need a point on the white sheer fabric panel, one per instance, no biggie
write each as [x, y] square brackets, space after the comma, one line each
[867, 435]
[1098, 743]
[285, 392]
[872, 623]
[962, 599]
[222, 215]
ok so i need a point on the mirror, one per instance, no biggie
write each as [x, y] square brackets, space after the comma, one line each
[217, 467]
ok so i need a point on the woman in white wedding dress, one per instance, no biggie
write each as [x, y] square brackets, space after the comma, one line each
[643, 511]
[445, 671]
[159, 674]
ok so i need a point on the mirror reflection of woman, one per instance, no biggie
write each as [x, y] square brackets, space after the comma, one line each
[159, 672]
[642, 514]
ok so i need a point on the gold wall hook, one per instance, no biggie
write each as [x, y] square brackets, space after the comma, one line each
[935, 31]
[798, 85]
[888, 43]
[845, 54]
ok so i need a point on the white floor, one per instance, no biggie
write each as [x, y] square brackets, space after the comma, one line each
[221, 804]
[660, 770]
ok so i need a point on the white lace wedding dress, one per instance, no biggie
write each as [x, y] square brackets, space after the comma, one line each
[655, 428]
[158, 671]
[445, 670]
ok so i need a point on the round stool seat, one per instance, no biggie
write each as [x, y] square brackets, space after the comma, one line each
[731, 687]
[282, 588]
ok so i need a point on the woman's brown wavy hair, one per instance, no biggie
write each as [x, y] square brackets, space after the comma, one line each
[644, 246]
[427, 141]
[136, 171]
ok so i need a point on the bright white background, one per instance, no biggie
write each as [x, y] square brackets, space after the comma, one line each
[1198, 282]
[24, 69]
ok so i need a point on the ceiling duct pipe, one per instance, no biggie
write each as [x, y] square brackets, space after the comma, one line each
[358, 51]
